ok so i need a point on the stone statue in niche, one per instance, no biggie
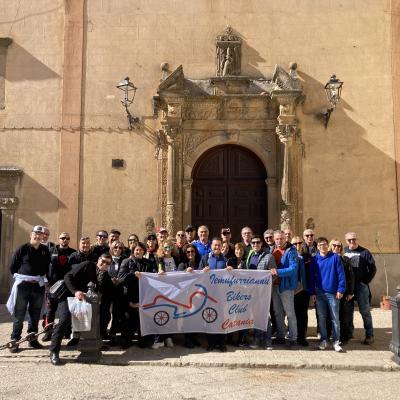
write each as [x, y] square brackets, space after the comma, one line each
[228, 64]
[228, 48]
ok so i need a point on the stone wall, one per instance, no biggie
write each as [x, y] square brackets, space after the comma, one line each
[348, 170]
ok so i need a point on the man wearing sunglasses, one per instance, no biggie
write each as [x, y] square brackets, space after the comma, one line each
[76, 282]
[101, 245]
[57, 270]
[364, 269]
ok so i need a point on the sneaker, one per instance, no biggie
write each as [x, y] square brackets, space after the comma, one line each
[268, 345]
[255, 344]
[323, 345]
[157, 345]
[35, 344]
[169, 342]
[368, 340]
[337, 347]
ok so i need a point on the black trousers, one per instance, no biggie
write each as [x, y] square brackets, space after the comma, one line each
[64, 324]
[346, 309]
[131, 324]
[301, 302]
[216, 339]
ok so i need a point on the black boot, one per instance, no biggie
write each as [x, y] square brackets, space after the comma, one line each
[55, 358]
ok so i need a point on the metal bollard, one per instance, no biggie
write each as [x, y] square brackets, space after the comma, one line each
[395, 343]
[90, 342]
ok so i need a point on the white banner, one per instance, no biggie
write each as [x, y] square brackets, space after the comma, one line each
[218, 301]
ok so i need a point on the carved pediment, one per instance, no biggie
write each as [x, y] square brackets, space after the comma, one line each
[175, 81]
[284, 80]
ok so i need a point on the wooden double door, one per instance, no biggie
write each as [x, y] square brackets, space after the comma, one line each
[229, 190]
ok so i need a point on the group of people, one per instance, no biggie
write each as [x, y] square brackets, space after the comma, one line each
[305, 270]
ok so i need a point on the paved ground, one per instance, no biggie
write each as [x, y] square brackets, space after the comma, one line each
[356, 356]
[362, 372]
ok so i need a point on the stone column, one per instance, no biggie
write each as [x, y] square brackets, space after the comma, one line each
[9, 177]
[171, 204]
[288, 217]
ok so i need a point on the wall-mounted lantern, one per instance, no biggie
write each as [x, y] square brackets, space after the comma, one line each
[333, 90]
[129, 90]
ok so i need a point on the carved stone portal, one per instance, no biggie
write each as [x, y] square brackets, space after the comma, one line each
[259, 114]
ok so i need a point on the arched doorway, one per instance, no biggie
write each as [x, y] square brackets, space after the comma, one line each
[229, 190]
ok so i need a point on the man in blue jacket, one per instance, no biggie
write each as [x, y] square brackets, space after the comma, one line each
[327, 285]
[283, 285]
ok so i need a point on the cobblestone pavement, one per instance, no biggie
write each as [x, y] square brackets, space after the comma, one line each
[73, 381]
[362, 372]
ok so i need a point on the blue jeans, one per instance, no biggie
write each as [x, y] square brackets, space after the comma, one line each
[361, 295]
[30, 296]
[328, 301]
[283, 303]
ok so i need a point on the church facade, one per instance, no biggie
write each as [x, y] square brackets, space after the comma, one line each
[228, 125]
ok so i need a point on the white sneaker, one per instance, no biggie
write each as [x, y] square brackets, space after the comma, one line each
[337, 347]
[157, 345]
[169, 342]
[323, 345]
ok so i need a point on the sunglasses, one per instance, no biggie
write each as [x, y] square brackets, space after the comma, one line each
[102, 236]
[226, 233]
[310, 235]
[268, 237]
[64, 238]
[190, 252]
[336, 245]
[351, 240]
[256, 242]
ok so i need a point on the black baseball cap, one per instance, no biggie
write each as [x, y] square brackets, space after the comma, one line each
[190, 228]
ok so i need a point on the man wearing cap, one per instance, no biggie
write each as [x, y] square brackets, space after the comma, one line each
[101, 246]
[226, 237]
[190, 231]
[59, 256]
[364, 269]
[202, 244]
[162, 235]
[151, 247]
[29, 267]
